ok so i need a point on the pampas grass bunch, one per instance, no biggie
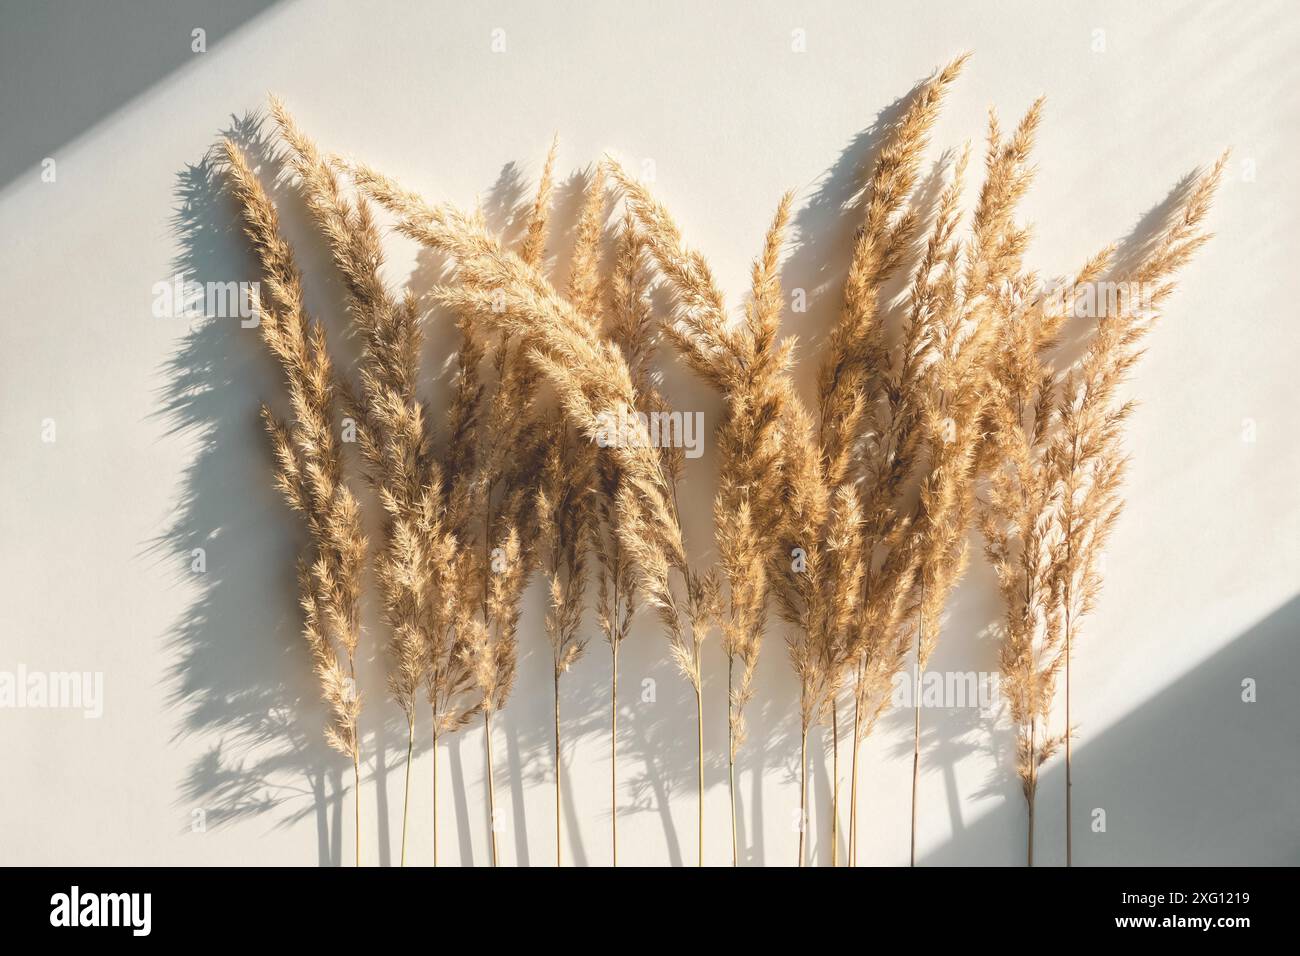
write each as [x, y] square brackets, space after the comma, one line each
[593, 381]
[872, 398]
[1053, 494]
[748, 367]
[309, 469]
[391, 422]
[628, 326]
[850, 514]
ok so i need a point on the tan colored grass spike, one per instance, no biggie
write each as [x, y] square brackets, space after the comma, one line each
[509, 459]
[748, 367]
[585, 285]
[566, 495]
[747, 510]
[1086, 453]
[621, 310]
[593, 382]
[702, 335]
[539, 220]
[453, 566]
[629, 328]
[391, 423]
[310, 468]
[1016, 516]
[856, 349]
[851, 382]
[806, 504]
[957, 395]
[565, 512]
[890, 446]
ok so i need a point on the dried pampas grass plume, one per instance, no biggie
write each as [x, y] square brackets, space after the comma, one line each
[594, 383]
[963, 297]
[1054, 467]
[869, 397]
[418, 569]
[567, 492]
[891, 447]
[565, 515]
[1016, 516]
[309, 471]
[629, 327]
[1086, 452]
[749, 368]
[508, 454]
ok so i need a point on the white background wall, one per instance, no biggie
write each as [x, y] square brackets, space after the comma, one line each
[208, 702]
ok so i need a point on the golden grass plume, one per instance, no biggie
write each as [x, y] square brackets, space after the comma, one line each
[309, 470]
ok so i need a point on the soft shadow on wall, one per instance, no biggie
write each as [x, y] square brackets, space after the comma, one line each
[1194, 776]
[241, 672]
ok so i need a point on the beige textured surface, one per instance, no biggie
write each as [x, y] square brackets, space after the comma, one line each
[158, 450]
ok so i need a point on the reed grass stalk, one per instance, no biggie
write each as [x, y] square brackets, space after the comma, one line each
[309, 470]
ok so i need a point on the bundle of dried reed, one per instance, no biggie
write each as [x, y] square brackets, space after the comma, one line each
[871, 398]
[892, 446]
[508, 452]
[1053, 491]
[748, 367]
[568, 493]
[872, 498]
[594, 383]
[1016, 514]
[958, 287]
[391, 423]
[310, 468]
[565, 514]
[628, 326]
